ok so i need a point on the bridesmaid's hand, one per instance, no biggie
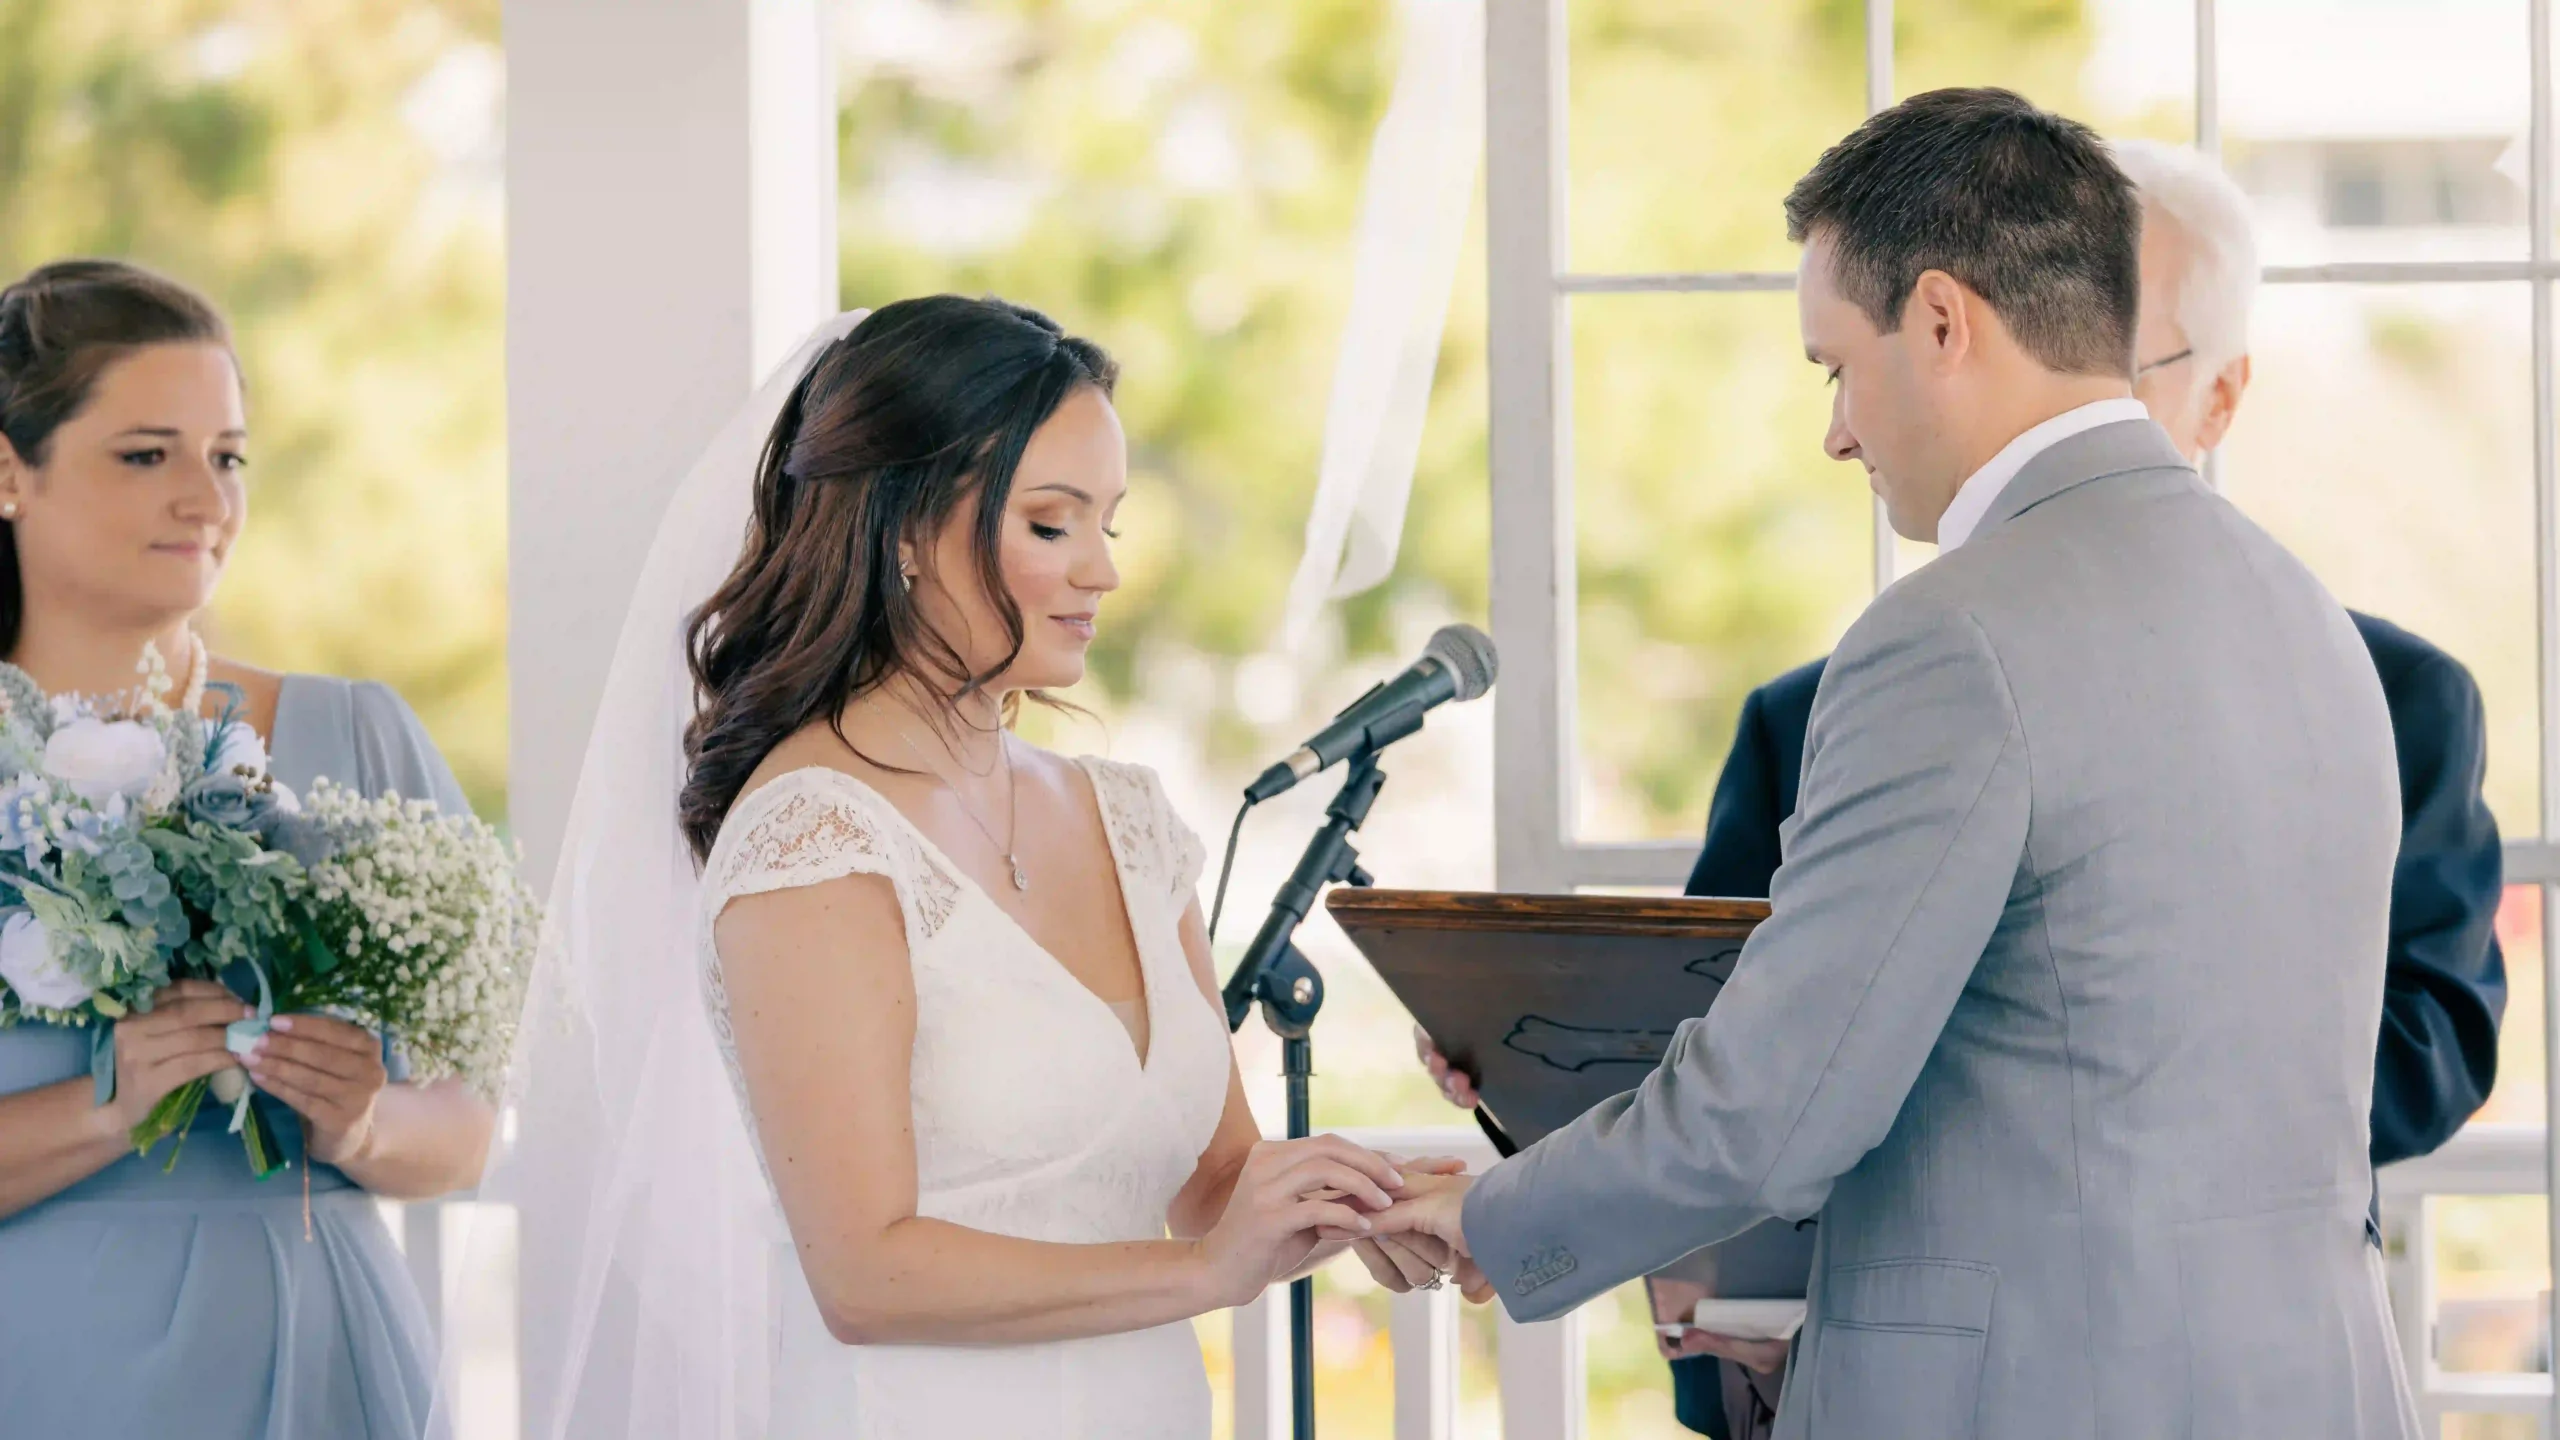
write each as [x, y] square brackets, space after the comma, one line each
[177, 1041]
[331, 1073]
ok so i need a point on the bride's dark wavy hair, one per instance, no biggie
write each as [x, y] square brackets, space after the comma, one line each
[890, 433]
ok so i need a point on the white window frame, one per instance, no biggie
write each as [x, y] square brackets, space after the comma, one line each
[1537, 846]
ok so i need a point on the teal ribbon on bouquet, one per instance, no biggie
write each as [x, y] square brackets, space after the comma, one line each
[242, 1036]
[102, 1062]
[176, 1112]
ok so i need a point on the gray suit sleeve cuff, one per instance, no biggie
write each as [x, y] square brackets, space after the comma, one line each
[1530, 1260]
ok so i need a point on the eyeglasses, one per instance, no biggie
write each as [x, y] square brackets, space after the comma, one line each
[2187, 354]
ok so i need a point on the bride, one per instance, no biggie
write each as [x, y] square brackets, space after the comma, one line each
[989, 1152]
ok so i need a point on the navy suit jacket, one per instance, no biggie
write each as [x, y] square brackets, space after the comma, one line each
[2445, 987]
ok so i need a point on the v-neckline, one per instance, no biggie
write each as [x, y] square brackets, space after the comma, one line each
[1058, 967]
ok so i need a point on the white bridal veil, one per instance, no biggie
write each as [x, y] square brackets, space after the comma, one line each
[641, 1224]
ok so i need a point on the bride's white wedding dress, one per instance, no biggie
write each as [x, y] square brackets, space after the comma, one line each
[658, 1295]
[1034, 1114]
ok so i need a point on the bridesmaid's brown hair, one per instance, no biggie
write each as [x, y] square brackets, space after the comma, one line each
[60, 328]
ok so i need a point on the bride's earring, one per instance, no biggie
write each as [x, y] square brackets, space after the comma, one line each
[906, 578]
[9, 510]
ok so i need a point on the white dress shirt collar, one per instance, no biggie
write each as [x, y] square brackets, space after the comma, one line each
[1973, 499]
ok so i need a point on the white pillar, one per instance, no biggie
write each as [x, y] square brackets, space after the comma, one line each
[671, 194]
[671, 198]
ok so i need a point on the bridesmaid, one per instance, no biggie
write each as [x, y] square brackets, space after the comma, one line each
[192, 1303]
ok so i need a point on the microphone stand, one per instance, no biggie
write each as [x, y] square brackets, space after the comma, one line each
[1278, 975]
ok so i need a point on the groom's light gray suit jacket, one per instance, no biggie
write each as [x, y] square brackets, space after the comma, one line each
[2064, 1014]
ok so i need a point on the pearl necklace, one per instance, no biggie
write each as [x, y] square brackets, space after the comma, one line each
[156, 679]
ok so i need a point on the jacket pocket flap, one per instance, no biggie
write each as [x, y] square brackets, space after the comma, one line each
[1911, 1295]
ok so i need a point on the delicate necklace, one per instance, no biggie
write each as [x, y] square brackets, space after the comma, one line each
[1012, 801]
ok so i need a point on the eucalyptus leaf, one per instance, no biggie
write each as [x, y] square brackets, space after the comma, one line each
[25, 701]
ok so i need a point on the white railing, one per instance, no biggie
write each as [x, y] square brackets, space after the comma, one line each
[1540, 1365]
[2481, 1160]
[1540, 1370]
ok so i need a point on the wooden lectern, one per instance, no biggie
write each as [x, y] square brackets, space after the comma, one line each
[1554, 1003]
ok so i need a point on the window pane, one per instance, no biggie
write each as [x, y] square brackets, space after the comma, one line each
[2388, 439]
[2127, 67]
[1688, 123]
[2489, 1425]
[1755, 92]
[2492, 1252]
[2373, 130]
[2517, 1098]
[2492, 1269]
[1717, 547]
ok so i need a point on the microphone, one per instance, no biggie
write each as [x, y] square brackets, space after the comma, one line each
[1458, 664]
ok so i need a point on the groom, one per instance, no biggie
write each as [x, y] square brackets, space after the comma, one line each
[2064, 1013]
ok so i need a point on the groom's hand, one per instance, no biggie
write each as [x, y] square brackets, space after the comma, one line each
[1434, 1207]
[1430, 1205]
[1403, 1263]
[1410, 1261]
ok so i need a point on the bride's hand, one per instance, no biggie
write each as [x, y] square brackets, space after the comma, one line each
[1332, 1242]
[1275, 1219]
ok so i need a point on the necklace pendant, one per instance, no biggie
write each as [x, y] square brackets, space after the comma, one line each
[1020, 880]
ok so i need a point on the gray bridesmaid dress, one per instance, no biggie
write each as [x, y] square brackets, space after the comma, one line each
[138, 1303]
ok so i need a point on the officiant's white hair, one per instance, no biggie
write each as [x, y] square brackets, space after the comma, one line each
[2185, 186]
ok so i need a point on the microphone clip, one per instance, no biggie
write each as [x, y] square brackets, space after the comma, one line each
[1274, 971]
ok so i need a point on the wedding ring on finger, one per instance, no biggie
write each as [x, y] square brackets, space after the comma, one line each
[1438, 1279]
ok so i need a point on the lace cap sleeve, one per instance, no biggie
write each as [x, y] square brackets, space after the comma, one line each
[1143, 824]
[812, 826]
[1189, 857]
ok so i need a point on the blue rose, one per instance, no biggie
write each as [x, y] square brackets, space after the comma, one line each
[297, 835]
[225, 798]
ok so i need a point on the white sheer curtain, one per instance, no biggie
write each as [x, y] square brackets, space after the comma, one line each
[1413, 219]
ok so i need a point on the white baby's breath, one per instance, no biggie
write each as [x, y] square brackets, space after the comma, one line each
[440, 917]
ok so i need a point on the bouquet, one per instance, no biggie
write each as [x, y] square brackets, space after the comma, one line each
[142, 843]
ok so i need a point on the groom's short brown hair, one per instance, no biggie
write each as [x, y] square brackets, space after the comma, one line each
[2024, 207]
